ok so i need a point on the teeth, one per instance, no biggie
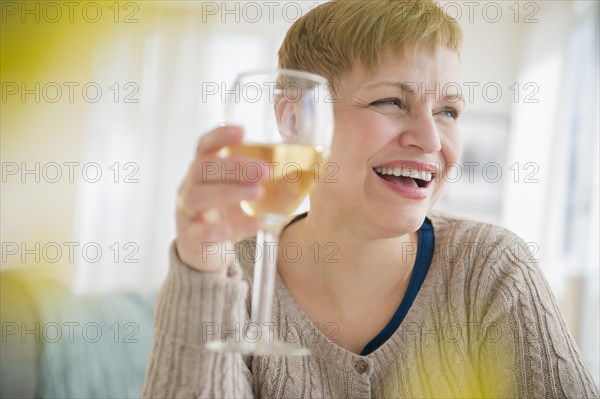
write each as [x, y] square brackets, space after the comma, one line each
[407, 172]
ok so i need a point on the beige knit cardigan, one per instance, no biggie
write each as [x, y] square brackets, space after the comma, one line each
[484, 324]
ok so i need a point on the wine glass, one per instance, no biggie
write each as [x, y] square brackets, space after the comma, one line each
[287, 117]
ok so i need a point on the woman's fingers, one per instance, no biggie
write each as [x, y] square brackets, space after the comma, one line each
[209, 216]
[218, 138]
[209, 246]
[233, 169]
[198, 198]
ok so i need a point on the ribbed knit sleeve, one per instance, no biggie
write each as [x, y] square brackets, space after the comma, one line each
[194, 308]
[525, 349]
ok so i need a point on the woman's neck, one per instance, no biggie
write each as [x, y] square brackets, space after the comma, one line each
[342, 259]
[340, 278]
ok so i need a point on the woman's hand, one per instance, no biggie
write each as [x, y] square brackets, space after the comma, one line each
[209, 216]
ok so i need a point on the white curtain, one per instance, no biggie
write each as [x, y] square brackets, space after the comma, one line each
[129, 216]
[171, 70]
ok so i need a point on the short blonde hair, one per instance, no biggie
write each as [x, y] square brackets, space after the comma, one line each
[329, 39]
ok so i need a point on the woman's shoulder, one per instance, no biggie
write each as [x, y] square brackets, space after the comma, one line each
[488, 264]
[481, 250]
[450, 226]
[453, 232]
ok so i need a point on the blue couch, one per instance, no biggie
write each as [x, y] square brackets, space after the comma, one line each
[59, 345]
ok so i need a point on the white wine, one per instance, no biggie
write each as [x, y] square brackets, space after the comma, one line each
[293, 170]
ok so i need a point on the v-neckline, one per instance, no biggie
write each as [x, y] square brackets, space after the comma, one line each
[329, 351]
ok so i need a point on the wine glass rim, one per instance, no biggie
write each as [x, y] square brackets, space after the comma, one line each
[280, 71]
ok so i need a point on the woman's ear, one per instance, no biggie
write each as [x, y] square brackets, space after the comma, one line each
[289, 119]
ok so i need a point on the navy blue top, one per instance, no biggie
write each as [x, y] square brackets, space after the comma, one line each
[422, 263]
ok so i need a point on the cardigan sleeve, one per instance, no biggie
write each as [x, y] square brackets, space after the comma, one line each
[194, 308]
[526, 350]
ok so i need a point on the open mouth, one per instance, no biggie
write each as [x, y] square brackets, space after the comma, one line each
[407, 177]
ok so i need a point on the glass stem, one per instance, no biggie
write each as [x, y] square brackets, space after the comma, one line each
[265, 269]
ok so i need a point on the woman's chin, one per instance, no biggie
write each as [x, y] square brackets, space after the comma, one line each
[402, 221]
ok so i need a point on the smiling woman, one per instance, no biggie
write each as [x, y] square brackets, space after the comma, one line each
[385, 123]
[392, 298]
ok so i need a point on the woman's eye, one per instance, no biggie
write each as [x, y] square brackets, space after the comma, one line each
[451, 112]
[388, 101]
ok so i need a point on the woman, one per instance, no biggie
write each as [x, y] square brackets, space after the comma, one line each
[396, 301]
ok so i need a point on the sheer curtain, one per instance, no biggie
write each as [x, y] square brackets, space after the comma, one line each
[150, 138]
[167, 69]
[172, 69]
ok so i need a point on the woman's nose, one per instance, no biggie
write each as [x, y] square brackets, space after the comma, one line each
[422, 132]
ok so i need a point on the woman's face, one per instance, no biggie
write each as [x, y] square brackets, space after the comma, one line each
[398, 120]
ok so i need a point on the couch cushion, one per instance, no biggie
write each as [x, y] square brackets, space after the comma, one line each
[19, 348]
[87, 346]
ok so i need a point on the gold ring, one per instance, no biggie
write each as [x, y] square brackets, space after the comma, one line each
[211, 215]
[183, 209]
